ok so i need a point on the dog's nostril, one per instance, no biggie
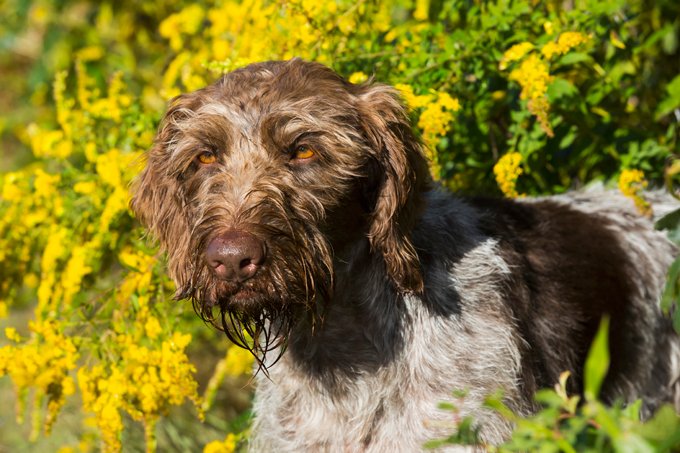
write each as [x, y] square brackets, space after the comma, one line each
[235, 255]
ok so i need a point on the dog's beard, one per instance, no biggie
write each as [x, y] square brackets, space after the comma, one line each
[260, 313]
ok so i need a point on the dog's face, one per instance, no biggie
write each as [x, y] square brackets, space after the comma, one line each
[256, 183]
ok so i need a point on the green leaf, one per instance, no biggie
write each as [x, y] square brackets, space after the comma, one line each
[632, 443]
[663, 430]
[597, 363]
[573, 58]
[672, 101]
[447, 406]
[560, 88]
[670, 221]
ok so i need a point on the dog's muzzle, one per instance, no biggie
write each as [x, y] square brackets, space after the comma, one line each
[235, 255]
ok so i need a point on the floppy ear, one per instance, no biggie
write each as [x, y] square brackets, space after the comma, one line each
[402, 177]
[157, 197]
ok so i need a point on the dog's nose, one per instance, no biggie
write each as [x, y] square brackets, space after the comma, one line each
[235, 255]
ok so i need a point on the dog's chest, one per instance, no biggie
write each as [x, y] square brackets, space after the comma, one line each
[393, 409]
[372, 413]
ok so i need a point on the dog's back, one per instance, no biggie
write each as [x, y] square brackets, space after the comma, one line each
[574, 259]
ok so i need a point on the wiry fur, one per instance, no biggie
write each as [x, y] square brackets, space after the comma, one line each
[390, 294]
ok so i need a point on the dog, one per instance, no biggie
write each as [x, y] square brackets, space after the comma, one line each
[297, 209]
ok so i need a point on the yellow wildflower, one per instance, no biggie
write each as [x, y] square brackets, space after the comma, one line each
[52, 254]
[238, 361]
[43, 363]
[412, 100]
[548, 27]
[422, 9]
[632, 183]
[437, 116]
[90, 53]
[357, 77]
[49, 143]
[152, 327]
[10, 188]
[228, 445]
[507, 170]
[31, 280]
[85, 187]
[564, 43]
[11, 334]
[44, 183]
[515, 53]
[76, 269]
[533, 76]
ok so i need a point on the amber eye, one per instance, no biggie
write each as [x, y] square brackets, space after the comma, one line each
[303, 152]
[207, 157]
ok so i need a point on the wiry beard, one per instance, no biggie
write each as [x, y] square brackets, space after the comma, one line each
[259, 324]
[260, 313]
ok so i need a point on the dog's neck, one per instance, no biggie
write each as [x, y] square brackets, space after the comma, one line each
[359, 332]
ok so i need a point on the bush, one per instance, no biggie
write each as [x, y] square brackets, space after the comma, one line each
[510, 98]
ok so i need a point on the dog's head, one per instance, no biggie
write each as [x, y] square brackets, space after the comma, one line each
[257, 183]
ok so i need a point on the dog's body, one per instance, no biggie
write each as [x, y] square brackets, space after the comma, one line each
[513, 294]
[311, 218]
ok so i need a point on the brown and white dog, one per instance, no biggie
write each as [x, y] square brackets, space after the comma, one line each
[297, 207]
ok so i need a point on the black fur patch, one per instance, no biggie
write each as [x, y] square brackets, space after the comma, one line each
[568, 270]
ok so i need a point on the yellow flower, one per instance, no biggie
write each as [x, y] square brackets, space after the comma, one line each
[533, 76]
[549, 27]
[85, 187]
[358, 77]
[565, 42]
[11, 334]
[90, 53]
[632, 183]
[238, 361]
[10, 189]
[228, 445]
[422, 9]
[76, 269]
[152, 327]
[44, 183]
[42, 362]
[437, 116]
[412, 100]
[514, 53]
[49, 143]
[507, 170]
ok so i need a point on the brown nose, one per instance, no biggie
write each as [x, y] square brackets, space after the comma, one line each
[235, 255]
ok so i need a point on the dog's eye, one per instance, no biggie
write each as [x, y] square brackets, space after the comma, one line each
[207, 157]
[303, 152]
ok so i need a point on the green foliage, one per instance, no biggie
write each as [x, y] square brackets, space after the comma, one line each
[597, 363]
[565, 423]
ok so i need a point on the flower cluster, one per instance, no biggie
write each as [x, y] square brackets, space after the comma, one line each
[145, 382]
[507, 170]
[632, 183]
[42, 362]
[533, 72]
[228, 445]
[71, 210]
[437, 109]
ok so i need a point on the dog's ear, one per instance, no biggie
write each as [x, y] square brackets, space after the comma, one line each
[156, 194]
[402, 176]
